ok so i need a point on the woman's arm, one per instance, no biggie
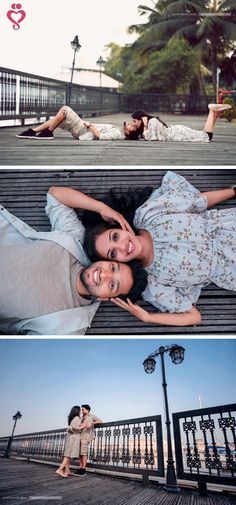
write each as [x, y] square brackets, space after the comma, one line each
[189, 318]
[219, 195]
[78, 200]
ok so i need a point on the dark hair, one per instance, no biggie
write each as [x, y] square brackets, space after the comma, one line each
[125, 202]
[75, 411]
[139, 114]
[135, 135]
[87, 407]
[139, 281]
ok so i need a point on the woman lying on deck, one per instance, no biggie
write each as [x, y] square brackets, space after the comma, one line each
[142, 126]
[182, 245]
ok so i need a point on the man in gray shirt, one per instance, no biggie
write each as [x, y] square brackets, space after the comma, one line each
[47, 283]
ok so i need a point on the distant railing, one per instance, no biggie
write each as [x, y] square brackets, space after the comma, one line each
[26, 95]
[162, 102]
[133, 446]
[205, 444]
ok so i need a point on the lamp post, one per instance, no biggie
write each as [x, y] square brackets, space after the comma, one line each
[176, 353]
[76, 47]
[15, 418]
[100, 62]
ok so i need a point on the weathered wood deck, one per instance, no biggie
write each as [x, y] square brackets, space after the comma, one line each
[64, 150]
[23, 192]
[22, 482]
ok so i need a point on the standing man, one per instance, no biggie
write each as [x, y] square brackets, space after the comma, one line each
[86, 436]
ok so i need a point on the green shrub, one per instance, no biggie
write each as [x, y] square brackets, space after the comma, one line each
[230, 114]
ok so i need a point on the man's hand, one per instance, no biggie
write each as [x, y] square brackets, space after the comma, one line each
[133, 308]
[112, 216]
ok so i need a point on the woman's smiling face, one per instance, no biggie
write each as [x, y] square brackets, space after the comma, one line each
[119, 245]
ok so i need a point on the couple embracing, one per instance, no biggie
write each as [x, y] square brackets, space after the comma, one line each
[80, 433]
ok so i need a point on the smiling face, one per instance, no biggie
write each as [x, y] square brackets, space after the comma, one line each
[119, 245]
[107, 279]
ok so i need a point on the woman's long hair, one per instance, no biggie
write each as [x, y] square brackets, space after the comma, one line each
[75, 411]
[139, 114]
[124, 202]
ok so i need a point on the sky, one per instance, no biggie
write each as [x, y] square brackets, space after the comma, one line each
[45, 378]
[42, 43]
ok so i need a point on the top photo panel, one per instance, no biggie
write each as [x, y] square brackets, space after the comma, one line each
[153, 84]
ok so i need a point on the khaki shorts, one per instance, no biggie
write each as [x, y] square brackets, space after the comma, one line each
[72, 122]
[84, 445]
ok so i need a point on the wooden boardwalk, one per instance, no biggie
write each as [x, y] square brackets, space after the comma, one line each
[22, 482]
[23, 192]
[66, 151]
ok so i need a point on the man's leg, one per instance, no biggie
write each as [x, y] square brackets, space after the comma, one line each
[52, 123]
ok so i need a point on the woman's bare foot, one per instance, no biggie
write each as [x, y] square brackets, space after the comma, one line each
[61, 473]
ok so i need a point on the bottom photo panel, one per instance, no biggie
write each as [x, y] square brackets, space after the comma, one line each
[115, 421]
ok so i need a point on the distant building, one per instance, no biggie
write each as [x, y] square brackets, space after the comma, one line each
[88, 77]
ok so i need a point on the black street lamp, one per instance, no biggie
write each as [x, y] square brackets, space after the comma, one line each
[100, 62]
[176, 352]
[15, 418]
[76, 47]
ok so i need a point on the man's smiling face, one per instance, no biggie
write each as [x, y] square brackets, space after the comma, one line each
[107, 279]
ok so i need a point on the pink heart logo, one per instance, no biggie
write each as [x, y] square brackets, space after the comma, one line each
[16, 16]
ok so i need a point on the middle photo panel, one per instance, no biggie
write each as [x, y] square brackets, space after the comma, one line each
[119, 251]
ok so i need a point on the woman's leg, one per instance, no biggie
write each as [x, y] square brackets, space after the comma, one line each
[210, 122]
[64, 465]
[52, 123]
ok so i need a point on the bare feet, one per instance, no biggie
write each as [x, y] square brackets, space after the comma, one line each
[61, 473]
[219, 107]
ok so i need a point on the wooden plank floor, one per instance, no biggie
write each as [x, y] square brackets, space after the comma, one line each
[22, 482]
[23, 192]
[64, 150]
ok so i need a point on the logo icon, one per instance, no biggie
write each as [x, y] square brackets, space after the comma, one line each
[16, 15]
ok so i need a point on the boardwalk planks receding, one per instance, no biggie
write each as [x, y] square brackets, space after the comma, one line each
[22, 482]
[66, 151]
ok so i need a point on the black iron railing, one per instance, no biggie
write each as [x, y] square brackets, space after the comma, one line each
[205, 444]
[133, 446]
[26, 95]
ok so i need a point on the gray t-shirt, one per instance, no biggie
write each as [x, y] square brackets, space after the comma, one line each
[37, 279]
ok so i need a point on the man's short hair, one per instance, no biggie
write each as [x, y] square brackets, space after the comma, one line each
[87, 407]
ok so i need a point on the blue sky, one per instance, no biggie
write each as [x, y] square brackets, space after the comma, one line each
[45, 378]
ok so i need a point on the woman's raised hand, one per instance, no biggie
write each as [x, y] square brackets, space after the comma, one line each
[111, 216]
[132, 308]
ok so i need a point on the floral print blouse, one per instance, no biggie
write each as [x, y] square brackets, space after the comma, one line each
[175, 133]
[192, 246]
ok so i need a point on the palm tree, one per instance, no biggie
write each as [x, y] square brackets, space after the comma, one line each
[208, 25]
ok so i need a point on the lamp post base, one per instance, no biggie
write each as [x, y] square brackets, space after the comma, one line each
[171, 489]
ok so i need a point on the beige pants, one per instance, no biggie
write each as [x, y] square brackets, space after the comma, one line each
[72, 122]
[84, 445]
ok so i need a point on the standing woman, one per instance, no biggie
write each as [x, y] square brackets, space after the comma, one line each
[153, 128]
[72, 445]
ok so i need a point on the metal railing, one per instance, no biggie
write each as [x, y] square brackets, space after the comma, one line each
[130, 446]
[24, 95]
[162, 102]
[205, 444]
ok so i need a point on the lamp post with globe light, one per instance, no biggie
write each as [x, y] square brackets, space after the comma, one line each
[176, 354]
[100, 62]
[15, 418]
[76, 47]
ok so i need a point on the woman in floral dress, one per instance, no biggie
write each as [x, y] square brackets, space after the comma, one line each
[72, 444]
[153, 128]
[182, 245]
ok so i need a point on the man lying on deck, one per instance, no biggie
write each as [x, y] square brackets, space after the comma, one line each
[48, 284]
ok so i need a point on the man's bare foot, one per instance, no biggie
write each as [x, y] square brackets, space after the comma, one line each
[61, 473]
